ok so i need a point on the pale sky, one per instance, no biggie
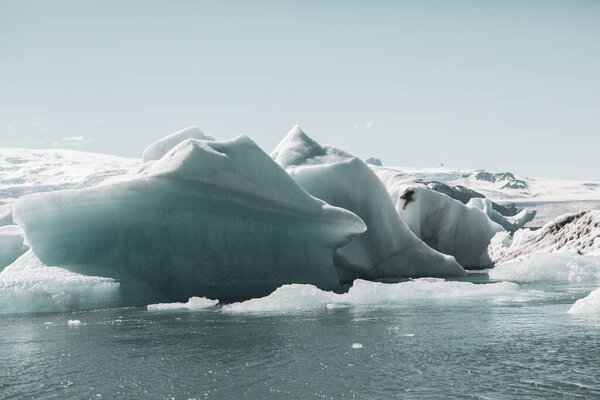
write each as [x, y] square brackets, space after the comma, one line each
[503, 85]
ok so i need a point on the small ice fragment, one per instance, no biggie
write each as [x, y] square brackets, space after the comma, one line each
[551, 350]
[357, 346]
[48, 323]
[330, 306]
[74, 322]
[408, 334]
[194, 303]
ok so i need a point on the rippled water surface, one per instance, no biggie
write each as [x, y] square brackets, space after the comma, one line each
[521, 345]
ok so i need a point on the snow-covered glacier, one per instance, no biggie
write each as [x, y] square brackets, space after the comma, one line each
[388, 248]
[214, 219]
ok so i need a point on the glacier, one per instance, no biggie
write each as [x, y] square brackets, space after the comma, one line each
[215, 219]
[388, 248]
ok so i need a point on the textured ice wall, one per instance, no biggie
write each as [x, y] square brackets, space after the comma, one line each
[443, 223]
[388, 248]
[214, 219]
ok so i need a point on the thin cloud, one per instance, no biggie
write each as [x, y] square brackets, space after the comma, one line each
[70, 141]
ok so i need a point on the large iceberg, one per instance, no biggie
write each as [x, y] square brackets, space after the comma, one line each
[388, 248]
[215, 219]
[161, 147]
[443, 223]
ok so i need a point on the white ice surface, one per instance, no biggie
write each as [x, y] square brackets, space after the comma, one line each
[27, 285]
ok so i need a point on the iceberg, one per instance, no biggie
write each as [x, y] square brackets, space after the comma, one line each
[214, 219]
[388, 248]
[445, 224]
[11, 244]
[161, 147]
[194, 303]
[511, 224]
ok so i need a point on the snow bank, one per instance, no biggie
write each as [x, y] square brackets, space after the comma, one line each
[161, 147]
[11, 244]
[194, 303]
[550, 267]
[445, 224]
[290, 298]
[511, 224]
[214, 219]
[388, 248]
[27, 285]
[589, 305]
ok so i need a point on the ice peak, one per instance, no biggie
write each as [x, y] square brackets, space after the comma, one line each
[159, 148]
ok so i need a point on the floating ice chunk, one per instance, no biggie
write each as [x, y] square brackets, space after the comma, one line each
[511, 224]
[445, 224]
[161, 147]
[550, 267]
[11, 244]
[299, 298]
[287, 298]
[27, 285]
[194, 303]
[589, 305]
[215, 219]
[357, 346]
[74, 322]
[388, 248]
